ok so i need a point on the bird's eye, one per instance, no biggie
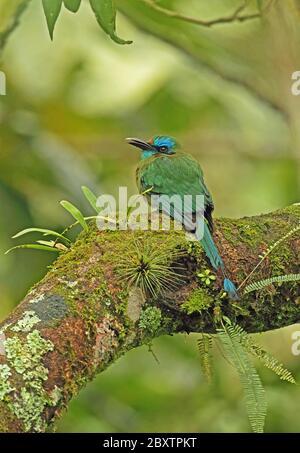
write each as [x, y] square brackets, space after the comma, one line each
[163, 148]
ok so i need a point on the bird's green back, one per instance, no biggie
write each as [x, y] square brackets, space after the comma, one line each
[176, 174]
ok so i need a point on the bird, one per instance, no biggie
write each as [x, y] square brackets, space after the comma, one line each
[166, 170]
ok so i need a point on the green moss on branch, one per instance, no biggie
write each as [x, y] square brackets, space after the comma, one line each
[82, 316]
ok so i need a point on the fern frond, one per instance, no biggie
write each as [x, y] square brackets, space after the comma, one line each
[265, 357]
[255, 399]
[269, 361]
[269, 250]
[256, 286]
[205, 350]
[280, 240]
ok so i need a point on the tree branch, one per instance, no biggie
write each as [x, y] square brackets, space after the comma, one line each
[192, 47]
[10, 13]
[236, 16]
[81, 317]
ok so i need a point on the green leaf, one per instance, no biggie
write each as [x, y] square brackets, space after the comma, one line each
[41, 230]
[105, 12]
[33, 246]
[91, 197]
[227, 320]
[54, 244]
[255, 398]
[52, 9]
[75, 213]
[72, 5]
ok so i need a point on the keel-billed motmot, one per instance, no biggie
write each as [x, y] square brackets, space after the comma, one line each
[164, 170]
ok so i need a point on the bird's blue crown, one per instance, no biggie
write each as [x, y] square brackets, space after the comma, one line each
[160, 144]
[163, 141]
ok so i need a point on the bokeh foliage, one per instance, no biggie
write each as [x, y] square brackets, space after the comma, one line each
[224, 92]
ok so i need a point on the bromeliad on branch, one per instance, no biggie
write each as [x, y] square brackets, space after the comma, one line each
[164, 170]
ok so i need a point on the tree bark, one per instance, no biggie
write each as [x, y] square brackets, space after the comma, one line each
[82, 316]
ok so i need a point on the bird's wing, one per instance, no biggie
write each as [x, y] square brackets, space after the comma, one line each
[180, 175]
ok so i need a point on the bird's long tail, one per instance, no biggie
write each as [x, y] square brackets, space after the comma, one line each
[216, 261]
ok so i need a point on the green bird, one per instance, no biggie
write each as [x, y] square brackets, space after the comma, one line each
[164, 170]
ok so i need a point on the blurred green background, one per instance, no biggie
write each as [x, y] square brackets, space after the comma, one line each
[225, 93]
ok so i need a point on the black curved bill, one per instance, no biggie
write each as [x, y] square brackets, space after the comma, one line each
[139, 143]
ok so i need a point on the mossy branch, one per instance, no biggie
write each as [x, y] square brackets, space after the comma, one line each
[82, 316]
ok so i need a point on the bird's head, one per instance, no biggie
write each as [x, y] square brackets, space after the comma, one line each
[157, 145]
